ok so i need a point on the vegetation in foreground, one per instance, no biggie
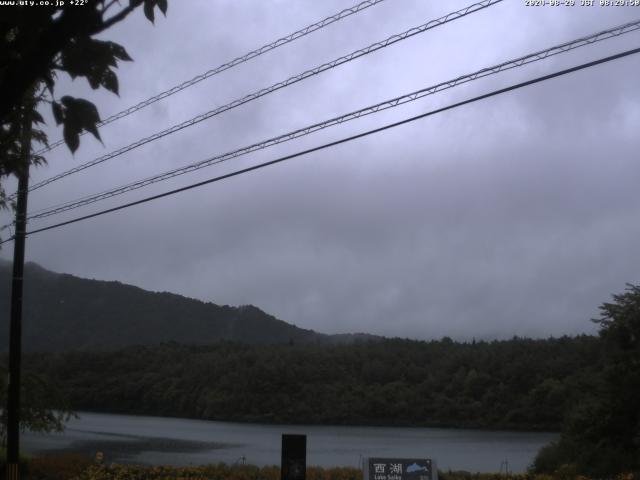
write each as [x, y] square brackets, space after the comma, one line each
[77, 467]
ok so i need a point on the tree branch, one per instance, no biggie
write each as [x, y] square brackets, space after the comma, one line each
[109, 5]
[119, 16]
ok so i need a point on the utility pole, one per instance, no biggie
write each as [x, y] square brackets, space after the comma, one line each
[15, 331]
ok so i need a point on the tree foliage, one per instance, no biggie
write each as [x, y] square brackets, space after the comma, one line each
[602, 435]
[515, 384]
[39, 44]
[43, 407]
[36, 45]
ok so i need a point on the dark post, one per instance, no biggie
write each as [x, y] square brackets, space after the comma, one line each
[294, 457]
[15, 332]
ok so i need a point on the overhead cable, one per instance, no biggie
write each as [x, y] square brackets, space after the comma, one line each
[277, 86]
[226, 66]
[394, 102]
[338, 142]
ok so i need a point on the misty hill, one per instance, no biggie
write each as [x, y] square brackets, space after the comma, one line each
[64, 312]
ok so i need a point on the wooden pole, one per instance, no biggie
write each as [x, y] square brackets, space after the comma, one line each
[15, 332]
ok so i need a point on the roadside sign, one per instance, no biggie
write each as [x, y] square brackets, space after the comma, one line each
[400, 469]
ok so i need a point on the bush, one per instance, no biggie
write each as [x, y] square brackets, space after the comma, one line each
[57, 467]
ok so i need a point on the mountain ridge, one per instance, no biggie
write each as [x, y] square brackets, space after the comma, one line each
[64, 312]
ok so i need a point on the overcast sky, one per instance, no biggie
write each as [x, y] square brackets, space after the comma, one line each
[517, 215]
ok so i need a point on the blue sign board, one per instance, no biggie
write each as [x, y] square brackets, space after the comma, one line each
[400, 469]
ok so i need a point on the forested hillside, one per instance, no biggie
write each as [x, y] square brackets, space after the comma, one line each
[516, 384]
[64, 312]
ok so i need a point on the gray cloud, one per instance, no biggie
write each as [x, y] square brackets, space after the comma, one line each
[512, 216]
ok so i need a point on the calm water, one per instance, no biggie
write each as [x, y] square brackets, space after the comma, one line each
[154, 440]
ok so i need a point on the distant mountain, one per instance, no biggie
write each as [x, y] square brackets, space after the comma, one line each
[63, 312]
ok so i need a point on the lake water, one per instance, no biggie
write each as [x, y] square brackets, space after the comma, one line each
[175, 441]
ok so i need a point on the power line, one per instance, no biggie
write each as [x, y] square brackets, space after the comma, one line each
[520, 61]
[341, 141]
[277, 86]
[226, 66]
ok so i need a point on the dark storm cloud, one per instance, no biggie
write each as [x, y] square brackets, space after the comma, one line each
[511, 216]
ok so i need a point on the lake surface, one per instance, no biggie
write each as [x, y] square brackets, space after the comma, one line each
[176, 441]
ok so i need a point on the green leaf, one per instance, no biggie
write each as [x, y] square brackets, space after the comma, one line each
[40, 137]
[67, 101]
[88, 58]
[48, 80]
[110, 81]
[81, 114]
[71, 137]
[88, 115]
[148, 10]
[119, 52]
[38, 160]
[94, 79]
[58, 115]
[37, 118]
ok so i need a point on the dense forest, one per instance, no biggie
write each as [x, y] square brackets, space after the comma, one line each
[515, 384]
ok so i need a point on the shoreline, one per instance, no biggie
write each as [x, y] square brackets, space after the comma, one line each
[432, 426]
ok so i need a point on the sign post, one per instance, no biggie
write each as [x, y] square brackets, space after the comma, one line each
[294, 457]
